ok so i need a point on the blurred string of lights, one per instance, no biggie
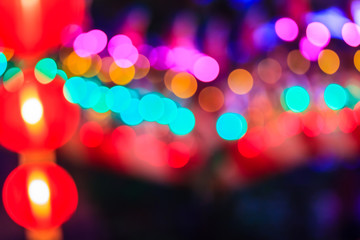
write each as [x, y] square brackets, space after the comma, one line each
[183, 67]
[163, 104]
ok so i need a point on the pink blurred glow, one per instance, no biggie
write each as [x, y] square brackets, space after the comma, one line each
[120, 47]
[318, 34]
[286, 29]
[206, 69]
[161, 58]
[309, 50]
[184, 58]
[351, 34]
[87, 44]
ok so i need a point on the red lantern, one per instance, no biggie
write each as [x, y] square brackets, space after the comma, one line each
[40, 196]
[32, 27]
[37, 116]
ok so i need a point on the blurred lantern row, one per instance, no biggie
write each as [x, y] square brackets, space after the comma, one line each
[35, 117]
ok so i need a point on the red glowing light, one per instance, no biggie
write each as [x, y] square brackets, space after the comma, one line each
[347, 120]
[252, 144]
[47, 209]
[54, 126]
[179, 154]
[34, 27]
[91, 134]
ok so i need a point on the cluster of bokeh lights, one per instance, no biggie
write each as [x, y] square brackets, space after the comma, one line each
[135, 83]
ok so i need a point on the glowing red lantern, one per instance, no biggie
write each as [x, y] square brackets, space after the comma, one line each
[36, 116]
[40, 196]
[34, 26]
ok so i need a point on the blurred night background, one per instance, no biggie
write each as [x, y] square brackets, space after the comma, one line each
[294, 175]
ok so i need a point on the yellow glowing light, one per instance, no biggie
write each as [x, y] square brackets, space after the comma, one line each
[121, 76]
[77, 65]
[184, 85]
[32, 111]
[39, 192]
[328, 61]
[240, 81]
[357, 60]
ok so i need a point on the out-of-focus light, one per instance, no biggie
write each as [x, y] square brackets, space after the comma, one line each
[184, 85]
[289, 124]
[351, 34]
[264, 37]
[357, 60]
[142, 67]
[333, 18]
[206, 69]
[92, 95]
[297, 99]
[92, 42]
[32, 111]
[297, 63]
[355, 11]
[91, 134]
[170, 111]
[251, 145]
[313, 123]
[161, 58]
[151, 107]
[184, 122]
[179, 154]
[211, 99]
[131, 115]
[269, 70]
[77, 65]
[328, 61]
[118, 98]
[335, 96]
[231, 126]
[120, 47]
[74, 89]
[240, 81]
[318, 34]
[39, 192]
[3, 63]
[286, 29]
[101, 105]
[13, 79]
[347, 120]
[62, 74]
[309, 50]
[45, 70]
[39, 196]
[121, 75]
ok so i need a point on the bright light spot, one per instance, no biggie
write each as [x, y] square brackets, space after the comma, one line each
[29, 3]
[206, 69]
[329, 61]
[87, 44]
[39, 192]
[231, 126]
[318, 34]
[297, 99]
[32, 111]
[335, 96]
[286, 29]
[351, 34]
[309, 50]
